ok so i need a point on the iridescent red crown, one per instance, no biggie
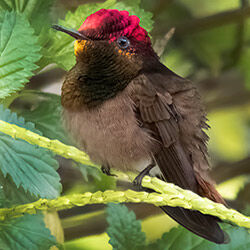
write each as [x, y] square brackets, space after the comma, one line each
[108, 24]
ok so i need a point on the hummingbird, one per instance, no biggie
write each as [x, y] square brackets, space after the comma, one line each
[130, 112]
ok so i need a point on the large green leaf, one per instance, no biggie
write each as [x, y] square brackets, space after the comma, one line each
[62, 50]
[38, 14]
[88, 171]
[19, 52]
[30, 166]
[124, 230]
[10, 195]
[37, 11]
[181, 238]
[26, 232]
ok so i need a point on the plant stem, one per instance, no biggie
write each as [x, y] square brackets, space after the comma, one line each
[167, 193]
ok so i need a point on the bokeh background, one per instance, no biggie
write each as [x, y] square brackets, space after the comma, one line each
[210, 46]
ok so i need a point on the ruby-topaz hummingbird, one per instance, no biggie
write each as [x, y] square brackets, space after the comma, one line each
[130, 112]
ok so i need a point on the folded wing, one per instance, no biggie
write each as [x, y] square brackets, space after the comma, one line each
[158, 111]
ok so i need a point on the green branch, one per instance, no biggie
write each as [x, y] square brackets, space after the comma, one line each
[184, 199]
[168, 194]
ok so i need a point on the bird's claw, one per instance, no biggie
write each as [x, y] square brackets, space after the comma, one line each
[138, 179]
[106, 170]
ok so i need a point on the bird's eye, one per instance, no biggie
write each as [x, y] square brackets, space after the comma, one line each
[123, 42]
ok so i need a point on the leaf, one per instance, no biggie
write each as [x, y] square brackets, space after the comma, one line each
[178, 237]
[104, 182]
[87, 171]
[26, 232]
[10, 195]
[19, 52]
[124, 230]
[30, 166]
[37, 12]
[145, 16]
[44, 110]
[62, 49]
[39, 15]
[62, 52]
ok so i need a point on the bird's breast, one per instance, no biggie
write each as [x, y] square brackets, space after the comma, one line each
[110, 133]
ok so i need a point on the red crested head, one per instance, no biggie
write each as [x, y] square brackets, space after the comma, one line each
[109, 24]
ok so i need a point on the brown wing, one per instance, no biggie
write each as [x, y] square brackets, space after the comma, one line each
[164, 107]
[170, 107]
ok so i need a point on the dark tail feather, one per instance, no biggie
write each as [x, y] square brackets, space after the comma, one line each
[176, 168]
[205, 226]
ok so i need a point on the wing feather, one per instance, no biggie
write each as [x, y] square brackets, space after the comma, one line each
[158, 111]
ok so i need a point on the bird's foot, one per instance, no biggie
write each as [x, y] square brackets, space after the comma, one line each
[106, 170]
[138, 179]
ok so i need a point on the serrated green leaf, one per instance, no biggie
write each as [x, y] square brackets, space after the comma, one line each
[179, 237]
[124, 230]
[19, 52]
[62, 50]
[10, 195]
[88, 171]
[30, 166]
[38, 14]
[26, 232]
[36, 11]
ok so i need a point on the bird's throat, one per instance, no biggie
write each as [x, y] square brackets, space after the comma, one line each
[99, 74]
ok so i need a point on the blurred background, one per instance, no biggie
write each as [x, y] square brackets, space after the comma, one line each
[210, 46]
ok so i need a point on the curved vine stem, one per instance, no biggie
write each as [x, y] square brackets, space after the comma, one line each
[174, 198]
[167, 193]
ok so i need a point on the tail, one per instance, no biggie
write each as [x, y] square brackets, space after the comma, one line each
[205, 226]
[176, 168]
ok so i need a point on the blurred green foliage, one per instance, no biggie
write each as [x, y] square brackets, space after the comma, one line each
[206, 8]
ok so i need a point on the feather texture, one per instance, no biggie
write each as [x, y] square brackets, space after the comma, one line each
[176, 118]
